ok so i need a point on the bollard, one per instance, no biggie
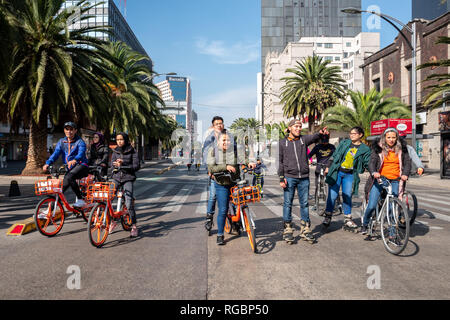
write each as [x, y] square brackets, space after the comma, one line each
[14, 190]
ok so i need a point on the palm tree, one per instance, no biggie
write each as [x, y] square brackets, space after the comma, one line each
[314, 88]
[134, 98]
[367, 107]
[50, 69]
[440, 90]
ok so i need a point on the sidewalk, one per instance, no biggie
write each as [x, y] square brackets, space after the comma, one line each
[26, 183]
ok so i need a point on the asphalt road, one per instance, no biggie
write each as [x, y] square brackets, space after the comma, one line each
[173, 258]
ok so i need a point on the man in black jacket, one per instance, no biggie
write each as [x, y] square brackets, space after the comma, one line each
[294, 175]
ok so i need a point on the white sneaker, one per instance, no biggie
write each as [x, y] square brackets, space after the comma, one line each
[79, 204]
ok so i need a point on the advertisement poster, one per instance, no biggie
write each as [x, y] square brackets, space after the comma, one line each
[446, 155]
[378, 127]
[444, 121]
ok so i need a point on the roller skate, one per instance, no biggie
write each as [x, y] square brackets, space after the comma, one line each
[209, 223]
[327, 220]
[305, 232]
[288, 233]
[350, 225]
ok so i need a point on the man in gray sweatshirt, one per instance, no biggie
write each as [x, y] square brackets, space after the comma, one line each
[293, 171]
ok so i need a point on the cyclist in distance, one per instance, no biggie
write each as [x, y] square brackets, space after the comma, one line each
[350, 160]
[323, 152]
[73, 150]
[259, 169]
[390, 159]
[99, 153]
[126, 162]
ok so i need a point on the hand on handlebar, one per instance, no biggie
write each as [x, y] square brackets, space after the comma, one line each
[45, 167]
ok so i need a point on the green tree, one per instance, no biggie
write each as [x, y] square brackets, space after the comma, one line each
[315, 87]
[51, 69]
[439, 91]
[366, 108]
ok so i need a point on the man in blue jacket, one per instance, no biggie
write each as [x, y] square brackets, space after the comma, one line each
[73, 150]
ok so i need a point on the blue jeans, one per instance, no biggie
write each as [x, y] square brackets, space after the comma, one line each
[223, 201]
[211, 205]
[346, 181]
[374, 195]
[302, 187]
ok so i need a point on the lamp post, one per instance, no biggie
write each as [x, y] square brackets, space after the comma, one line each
[412, 45]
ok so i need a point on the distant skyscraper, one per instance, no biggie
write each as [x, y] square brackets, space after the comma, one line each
[429, 9]
[284, 21]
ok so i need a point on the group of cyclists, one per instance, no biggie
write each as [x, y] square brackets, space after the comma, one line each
[389, 156]
[123, 159]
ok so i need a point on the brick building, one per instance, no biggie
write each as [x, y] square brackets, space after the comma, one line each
[391, 68]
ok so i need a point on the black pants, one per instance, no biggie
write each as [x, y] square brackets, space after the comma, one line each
[77, 172]
[128, 194]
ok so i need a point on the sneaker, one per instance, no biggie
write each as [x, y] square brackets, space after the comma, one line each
[43, 215]
[79, 204]
[363, 230]
[134, 232]
[220, 240]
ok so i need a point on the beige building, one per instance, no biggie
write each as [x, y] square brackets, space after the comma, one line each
[348, 53]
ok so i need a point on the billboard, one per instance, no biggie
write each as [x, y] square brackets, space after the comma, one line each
[444, 121]
[402, 125]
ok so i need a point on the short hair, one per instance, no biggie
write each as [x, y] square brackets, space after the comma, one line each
[359, 130]
[217, 118]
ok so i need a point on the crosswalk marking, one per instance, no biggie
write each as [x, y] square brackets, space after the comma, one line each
[181, 198]
[201, 207]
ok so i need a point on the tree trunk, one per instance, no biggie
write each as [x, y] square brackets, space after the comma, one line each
[37, 149]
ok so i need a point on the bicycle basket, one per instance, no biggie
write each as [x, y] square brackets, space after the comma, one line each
[84, 182]
[245, 195]
[100, 191]
[49, 186]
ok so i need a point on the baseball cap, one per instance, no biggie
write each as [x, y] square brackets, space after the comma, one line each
[70, 124]
[292, 122]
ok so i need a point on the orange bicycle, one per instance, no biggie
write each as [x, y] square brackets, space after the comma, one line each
[102, 194]
[49, 214]
[240, 196]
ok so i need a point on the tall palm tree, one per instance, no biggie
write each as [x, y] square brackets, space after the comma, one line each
[51, 68]
[315, 87]
[367, 107]
[134, 98]
[439, 91]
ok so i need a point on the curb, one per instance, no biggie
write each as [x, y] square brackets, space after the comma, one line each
[168, 168]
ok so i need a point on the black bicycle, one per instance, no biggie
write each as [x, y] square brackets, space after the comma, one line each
[321, 195]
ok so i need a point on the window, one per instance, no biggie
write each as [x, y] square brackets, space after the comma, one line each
[337, 58]
[345, 55]
[345, 65]
[376, 84]
[328, 58]
[348, 44]
[319, 45]
[328, 45]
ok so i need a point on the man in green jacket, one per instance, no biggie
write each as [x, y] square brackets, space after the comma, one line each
[350, 159]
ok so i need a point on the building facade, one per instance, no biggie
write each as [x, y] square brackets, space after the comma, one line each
[348, 53]
[285, 21]
[429, 9]
[391, 68]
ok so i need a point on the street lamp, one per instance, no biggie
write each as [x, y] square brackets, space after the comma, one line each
[412, 45]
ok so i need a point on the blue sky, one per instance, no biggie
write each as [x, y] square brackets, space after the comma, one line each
[217, 45]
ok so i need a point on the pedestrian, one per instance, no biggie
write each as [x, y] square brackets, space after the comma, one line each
[391, 160]
[350, 160]
[294, 176]
[99, 153]
[323, 152]
[419, 168]
[4, 156]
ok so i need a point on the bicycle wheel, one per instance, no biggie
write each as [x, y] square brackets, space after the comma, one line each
[410, 201]
[49, 221]
[250, 230]
[228, 224]
[395, 226]
[125, 219]
[98, 225]
[320, 199]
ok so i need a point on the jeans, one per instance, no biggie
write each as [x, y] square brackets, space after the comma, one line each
[346, 180]
[128, 195]
[374, 195]
[211, 205]
[302, 187]
[71, 177]
[223, 201]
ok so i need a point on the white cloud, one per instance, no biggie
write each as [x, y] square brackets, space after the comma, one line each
[237, 53]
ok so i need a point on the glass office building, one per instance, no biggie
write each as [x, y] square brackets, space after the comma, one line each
[284, 21]
[429, 9]
[108, 14]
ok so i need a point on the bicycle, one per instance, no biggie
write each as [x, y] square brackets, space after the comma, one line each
[392, 217]
[410, 200]
[240, 196]
[102, 194]
[49, 214]
[321, 194]
[259, 177]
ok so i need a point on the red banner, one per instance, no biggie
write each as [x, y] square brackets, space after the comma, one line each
[402, 125]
